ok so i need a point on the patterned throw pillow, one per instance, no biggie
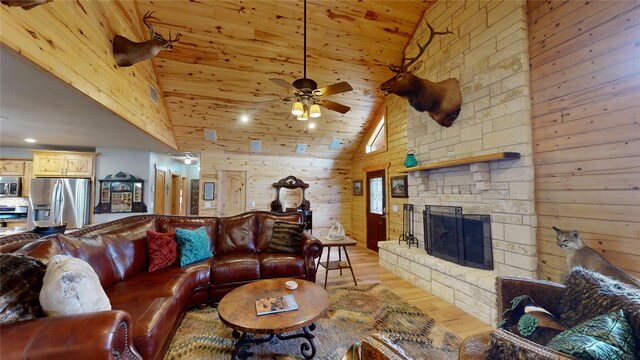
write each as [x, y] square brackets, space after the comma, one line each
[162, 249]
[529, 320]
[193, 245]
[20, 285]
[607, 336]
[286, 237]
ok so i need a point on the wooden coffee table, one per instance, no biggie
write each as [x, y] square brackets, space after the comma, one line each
[237, 310]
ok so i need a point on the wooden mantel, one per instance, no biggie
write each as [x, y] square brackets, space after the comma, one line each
[463, 161]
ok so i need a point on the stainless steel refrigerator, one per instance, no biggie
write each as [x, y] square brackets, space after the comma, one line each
[54, 201]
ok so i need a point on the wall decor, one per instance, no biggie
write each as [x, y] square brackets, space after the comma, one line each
[399, 188]
[209, 190]
[121, 193]
[357, 187]
[195, 197]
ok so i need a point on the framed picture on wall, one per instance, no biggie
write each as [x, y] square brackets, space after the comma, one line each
[209, 191]
[399, 188]
[357, 187]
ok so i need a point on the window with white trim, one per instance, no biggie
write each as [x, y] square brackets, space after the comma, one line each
[377, 141]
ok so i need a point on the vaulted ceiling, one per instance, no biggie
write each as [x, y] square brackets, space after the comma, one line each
[228, 50]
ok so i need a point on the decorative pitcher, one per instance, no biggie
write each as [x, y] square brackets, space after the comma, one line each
[410, 161]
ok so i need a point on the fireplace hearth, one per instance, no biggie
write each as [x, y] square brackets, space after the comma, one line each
[463, 239]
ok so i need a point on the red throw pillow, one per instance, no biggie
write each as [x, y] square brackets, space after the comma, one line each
[162, 249]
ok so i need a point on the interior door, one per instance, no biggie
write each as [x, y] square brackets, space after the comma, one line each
[376, 209]
[159, 192]
[183, 196]
[175, 195]
[232, 192]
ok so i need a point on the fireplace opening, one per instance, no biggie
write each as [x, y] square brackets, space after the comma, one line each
[464, 239]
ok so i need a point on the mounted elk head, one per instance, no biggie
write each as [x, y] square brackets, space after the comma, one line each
[127, 52]
[25, 4]
[442, 99]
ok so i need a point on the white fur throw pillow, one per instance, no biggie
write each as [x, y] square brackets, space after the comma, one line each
[71, 286]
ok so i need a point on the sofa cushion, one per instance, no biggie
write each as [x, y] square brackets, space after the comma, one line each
[281, 265]
[127, 246]
[265, 226]
[589, 294]
[150, 285]
[286, 237]
[237, 233]
[607, 336]
[234, 267]
[93, 250]
[193, 245]
[70, 286]
[20, 284]
[162, 249]
[190, 223]
[531, 321]
[42, 249]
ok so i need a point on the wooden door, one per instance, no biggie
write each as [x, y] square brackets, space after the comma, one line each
[159, 193]
[232, 192]
[174, 199]
[183, 196]
[376, 209]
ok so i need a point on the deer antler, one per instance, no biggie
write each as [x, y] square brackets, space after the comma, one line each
[422, 48]
[173, 40]
[148, 15]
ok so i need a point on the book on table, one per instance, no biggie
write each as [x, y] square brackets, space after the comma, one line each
[276, 304]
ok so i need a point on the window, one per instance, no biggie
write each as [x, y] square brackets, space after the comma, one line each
[378, 138]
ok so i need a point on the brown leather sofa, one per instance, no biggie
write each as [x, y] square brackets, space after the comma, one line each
[148, 307]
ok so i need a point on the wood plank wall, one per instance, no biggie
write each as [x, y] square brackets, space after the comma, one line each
[72, 40]
[585, 80]
[395, 154]
[329, 182]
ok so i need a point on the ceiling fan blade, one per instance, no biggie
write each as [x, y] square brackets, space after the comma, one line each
[336, 88]
[284, 84]
[285, 99]
[332, 105]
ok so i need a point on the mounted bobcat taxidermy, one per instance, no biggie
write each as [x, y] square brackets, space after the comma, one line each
[127, 52]
[441, 99]
[579, 254]
[25, 4]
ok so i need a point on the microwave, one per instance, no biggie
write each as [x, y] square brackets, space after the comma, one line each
[10, 186]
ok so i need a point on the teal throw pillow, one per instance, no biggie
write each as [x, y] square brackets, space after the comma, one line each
[605, 337]
[193, 245]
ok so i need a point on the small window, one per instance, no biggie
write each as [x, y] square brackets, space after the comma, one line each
[378, 138]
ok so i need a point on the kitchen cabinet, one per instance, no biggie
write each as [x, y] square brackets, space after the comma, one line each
[11, 167]
[26, 179]
[63, 164]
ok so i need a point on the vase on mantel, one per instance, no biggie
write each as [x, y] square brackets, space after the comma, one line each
[410, 161]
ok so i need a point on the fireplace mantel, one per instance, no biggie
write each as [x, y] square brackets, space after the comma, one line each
[464, 161]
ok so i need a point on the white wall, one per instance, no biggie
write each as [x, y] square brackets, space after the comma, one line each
[15, 153]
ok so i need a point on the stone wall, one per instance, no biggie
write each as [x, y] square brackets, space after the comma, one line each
[488, 53]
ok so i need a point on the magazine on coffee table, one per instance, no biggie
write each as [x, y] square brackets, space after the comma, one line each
[276, 304]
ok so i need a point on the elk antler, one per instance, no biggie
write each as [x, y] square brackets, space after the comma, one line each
[403, 67]
[148, 15]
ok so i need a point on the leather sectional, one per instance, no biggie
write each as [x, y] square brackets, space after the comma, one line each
[148, 306]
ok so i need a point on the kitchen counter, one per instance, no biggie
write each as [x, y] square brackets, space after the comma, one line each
[10, 230]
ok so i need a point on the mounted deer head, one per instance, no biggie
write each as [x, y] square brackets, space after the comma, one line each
[127, 52]
[25, 4]
[442, 99]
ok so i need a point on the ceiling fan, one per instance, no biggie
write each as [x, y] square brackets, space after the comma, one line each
[308, 98]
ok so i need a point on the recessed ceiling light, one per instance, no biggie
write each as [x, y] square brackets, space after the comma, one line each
[312, 125]
[244, 118]
[30, 140]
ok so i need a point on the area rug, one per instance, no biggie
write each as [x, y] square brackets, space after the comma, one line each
[354, 312]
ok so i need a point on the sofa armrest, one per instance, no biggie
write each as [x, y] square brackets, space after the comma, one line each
[545, 293]
[311, 250]
[99, 335]
[507, 345]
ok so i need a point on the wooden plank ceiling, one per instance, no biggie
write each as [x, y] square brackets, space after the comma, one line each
[228, 50]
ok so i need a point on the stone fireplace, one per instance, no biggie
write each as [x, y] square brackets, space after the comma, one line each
[489, 55]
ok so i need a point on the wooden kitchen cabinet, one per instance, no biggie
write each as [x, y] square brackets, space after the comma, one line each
[26, 179]
[11, 167]
[63, 164]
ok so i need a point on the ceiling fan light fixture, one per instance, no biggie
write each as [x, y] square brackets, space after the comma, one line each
[304, 116]
[314, 111]
[297, 108]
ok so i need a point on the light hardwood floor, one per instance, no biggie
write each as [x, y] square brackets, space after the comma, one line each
[367, 271]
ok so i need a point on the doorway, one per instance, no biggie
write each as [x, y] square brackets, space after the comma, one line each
[175, 199]
[376, 209]
[232, 192]
[159, 192]
[183, 196]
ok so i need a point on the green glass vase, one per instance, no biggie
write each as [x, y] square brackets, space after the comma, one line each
[410, 161]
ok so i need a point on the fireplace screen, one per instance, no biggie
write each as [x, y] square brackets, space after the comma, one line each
[463, 239]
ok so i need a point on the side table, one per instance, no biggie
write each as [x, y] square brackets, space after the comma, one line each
[336, 264]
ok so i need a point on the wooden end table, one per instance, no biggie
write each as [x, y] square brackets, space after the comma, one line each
[339, 264]
[237, 310]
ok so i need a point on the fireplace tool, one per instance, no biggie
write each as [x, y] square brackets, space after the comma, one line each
[407, 226]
